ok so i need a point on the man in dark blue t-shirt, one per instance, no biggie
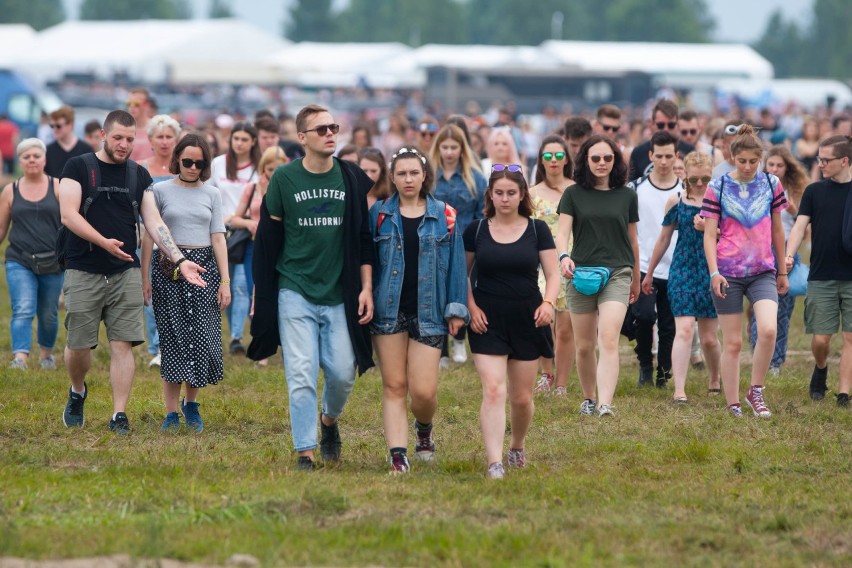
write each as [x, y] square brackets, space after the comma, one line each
[829, 298]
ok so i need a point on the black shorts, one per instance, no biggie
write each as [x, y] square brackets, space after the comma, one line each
[511, 329]
[406, 323]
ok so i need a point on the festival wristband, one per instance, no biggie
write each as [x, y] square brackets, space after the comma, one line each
[714, 274]
[176, 273]
[225, 283]
[564, 255]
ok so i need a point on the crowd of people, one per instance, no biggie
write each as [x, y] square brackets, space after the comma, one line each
[447, 237]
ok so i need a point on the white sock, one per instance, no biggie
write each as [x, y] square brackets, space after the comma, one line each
[83, 393]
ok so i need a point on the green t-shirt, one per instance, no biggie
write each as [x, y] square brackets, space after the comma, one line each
[600, 225]
[312, 207]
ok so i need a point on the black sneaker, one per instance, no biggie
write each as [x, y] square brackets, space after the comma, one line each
[120, 425]
[818, 383]
[330, 443]
[305, 463]
[646, 376]
[73, 415]
[843, 400]
[663, 378]
[236, 348]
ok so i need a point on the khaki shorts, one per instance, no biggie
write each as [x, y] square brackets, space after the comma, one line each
[617, 289]
[827, 301]
[116, 298]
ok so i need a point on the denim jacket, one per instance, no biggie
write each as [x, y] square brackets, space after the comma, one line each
[454, 191]
[441, 271]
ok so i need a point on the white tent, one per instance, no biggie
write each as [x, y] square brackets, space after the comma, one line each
[184, 51]
[15, 40]
[673, 64]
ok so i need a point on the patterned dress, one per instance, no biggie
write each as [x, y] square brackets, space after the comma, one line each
[689, 278]
[546, 211]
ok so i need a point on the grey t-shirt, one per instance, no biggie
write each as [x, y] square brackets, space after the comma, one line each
[192, 214]
[722, 168]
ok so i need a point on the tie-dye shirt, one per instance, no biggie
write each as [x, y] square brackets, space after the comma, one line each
[745, 241]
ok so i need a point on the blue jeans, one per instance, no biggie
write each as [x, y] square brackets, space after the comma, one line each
[33, 295]
[786, 304]
[238, 311]
[314, 337]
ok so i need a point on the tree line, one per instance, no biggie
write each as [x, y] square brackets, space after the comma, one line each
[821, 47]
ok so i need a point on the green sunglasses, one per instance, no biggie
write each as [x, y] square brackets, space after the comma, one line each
[547, 156]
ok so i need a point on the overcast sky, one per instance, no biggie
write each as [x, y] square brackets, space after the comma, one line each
[736, 20]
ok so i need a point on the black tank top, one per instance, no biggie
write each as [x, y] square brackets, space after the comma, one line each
[34, 225]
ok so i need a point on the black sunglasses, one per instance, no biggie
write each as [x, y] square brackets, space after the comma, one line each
[688, 131]
[610, 128]
[323, 129]
[694, 180]
[671, 125]
[188, 163]
[57, 126]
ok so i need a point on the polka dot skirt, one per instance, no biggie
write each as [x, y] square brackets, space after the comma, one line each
[189, 323]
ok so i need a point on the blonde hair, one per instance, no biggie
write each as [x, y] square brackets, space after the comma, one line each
[466, 161]
[503, 131]
[695, 160]
[272, 154]
[28, 144]
[163, 121]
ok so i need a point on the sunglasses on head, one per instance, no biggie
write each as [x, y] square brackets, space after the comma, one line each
[547, 156]
[323, 129]
[188, 163]
[688, 131]
[514, 168]
[427, 127]
[606, 158]
[694, 180]
[671, 125]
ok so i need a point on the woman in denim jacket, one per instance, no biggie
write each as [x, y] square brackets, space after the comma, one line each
[459, 183]
[420, 293]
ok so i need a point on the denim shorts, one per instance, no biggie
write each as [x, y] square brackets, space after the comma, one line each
[756, 288]
[406, 323]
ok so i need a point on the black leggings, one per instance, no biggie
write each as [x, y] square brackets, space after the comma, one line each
[665, 329]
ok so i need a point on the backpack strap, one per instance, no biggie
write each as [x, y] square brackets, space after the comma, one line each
[93, 181]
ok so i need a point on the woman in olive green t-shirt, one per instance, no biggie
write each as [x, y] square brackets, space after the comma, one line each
[601, 213]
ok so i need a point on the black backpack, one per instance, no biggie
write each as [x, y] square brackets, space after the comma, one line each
[93, 190]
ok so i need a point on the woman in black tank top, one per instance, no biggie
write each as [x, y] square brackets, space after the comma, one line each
[31, 206]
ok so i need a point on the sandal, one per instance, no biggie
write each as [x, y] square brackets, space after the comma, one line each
[681, 400]
[714, 391]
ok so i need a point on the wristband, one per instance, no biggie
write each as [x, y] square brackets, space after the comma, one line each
[714, 274]
[546, 301]
[782, 274]
[564, 255]
[225, 283]
[176, 273]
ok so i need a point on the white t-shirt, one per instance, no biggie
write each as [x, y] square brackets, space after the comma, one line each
[652, 209]
[230, 189]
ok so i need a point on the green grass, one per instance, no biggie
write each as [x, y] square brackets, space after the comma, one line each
[657, 485]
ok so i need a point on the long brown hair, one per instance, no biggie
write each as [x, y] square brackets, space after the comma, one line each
[412, 153]
[254, 153]
[795, 177]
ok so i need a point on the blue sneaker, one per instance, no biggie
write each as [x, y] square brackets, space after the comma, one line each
[171, 423]
[73, 415]
[193, 417]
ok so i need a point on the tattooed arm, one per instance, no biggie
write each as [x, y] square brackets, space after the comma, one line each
[155, 227]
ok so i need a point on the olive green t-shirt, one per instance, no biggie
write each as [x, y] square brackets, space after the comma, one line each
[311, 207]
[600, 225]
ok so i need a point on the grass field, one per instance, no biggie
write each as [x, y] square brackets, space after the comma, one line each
[658, 485]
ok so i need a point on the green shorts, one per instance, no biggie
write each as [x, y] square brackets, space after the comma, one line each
[826, 302]
[116, 299]
[617, 289]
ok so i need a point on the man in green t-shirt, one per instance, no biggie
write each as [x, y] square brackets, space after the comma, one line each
[310, 197]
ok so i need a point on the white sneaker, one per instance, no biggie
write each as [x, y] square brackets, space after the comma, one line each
[496, 471]
[444, 363]
[155, 362]
[459, 352]
[605, 410]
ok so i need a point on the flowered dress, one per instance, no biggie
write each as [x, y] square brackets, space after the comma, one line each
[546, 211]
[689, 278]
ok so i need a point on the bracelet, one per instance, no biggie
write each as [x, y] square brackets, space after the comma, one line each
[176, 273]
[224, 282]
[564, 255]
[714, 274]
[546, 301]
[781, 274]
